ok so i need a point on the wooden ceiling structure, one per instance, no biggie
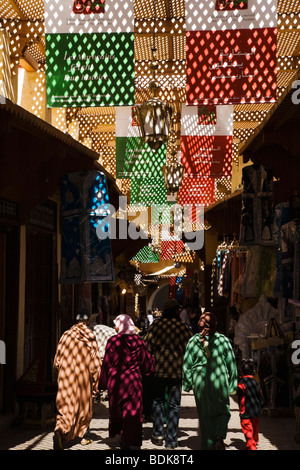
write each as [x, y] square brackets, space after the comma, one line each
[24, 22]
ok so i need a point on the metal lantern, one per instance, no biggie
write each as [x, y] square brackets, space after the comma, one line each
[173, 171]
[154, 116]
[154, 121]
[173, 174]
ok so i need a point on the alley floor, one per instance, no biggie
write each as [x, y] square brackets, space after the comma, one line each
[276, 432]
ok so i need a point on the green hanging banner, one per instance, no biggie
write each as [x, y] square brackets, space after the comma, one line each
[146, 255]
[135, 158]
[148, 191]
[89, 53]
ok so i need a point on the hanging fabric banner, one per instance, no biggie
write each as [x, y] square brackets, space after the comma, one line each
[85, 256]
[197, 190]
[206, 140]
[231, 51]
[89, 53]
[146, 255]
[134, 158]
[169, 248]
[148, 191]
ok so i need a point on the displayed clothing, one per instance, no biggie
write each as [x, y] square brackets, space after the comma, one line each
[259, 275]
[257, 217]
[253, 322]
[281, 217]
[228, 271]
[290, 251]
[273, 371]
[240, 273]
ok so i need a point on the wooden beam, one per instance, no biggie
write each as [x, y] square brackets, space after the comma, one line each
[164, 26]
[168, 8]
[26, 65]
[286, 19]
[16, 9]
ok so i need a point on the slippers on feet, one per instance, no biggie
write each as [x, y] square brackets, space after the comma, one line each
[57, 441]
[85, 442]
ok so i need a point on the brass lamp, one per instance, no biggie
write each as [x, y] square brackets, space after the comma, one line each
[154, 115]
[173, 172]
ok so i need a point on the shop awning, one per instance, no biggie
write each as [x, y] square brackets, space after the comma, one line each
[275, 144]
[225, 216]
[35, 155]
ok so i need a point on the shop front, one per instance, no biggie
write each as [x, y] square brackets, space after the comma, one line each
[252, 279]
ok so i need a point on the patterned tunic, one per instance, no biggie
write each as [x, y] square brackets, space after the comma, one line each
[166, 340]
[77, 363]
[126, 360]
[103, 333]
[210, 371]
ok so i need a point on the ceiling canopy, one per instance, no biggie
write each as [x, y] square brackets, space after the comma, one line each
[24, 21]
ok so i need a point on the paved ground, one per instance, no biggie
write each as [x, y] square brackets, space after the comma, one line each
[276, 433]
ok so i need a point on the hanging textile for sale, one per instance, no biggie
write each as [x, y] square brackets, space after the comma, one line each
[228, 269]
[86, 254]
[259, 271]
[281, 217]
[238, 263]
[290, 236]
[257, 220]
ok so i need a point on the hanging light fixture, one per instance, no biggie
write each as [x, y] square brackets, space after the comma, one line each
[154, 115]
[173, 172]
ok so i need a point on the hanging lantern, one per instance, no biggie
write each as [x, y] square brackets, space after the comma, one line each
[154, 121]
[173, 174]
[154, 115]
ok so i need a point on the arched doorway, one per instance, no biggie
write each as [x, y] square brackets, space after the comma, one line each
[159, 297]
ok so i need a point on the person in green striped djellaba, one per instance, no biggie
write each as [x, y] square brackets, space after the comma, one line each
[209, 369]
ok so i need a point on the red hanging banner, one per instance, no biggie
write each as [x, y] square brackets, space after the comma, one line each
[197, 190]
[231, 52]
[206, 140]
